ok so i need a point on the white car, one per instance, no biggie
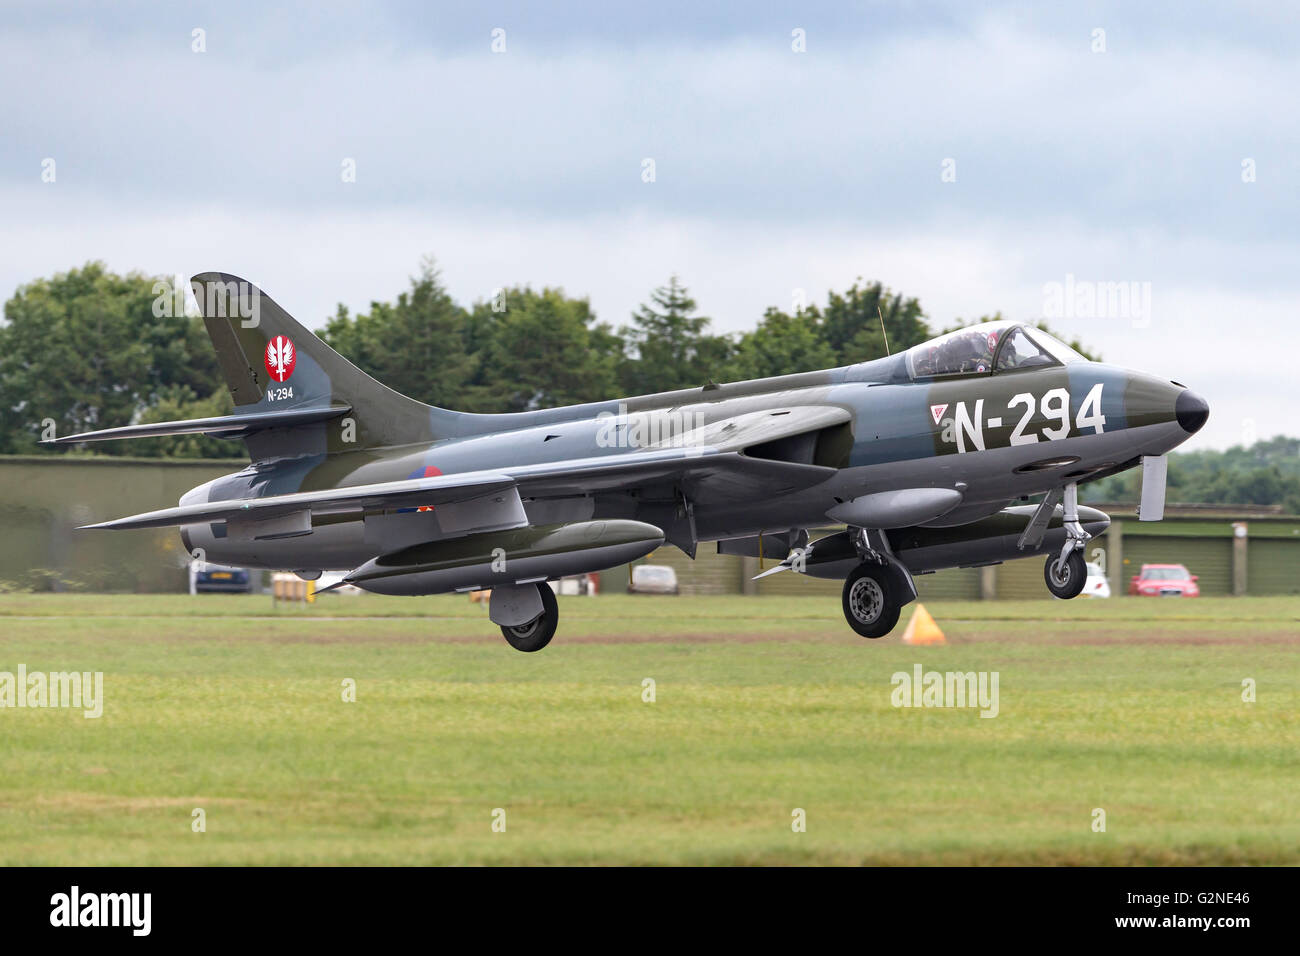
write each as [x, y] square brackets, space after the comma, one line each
[653, 579]
[1096, 586]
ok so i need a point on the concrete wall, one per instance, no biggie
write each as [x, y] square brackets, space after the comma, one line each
[43, 499]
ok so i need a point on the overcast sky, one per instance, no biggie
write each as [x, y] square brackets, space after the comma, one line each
[971, 159]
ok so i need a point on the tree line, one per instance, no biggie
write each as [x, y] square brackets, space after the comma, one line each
[1264, 473]
[88, 348]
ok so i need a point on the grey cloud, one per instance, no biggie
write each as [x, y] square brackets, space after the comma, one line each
[774, 169]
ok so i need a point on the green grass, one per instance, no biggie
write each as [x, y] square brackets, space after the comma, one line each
[763, 705]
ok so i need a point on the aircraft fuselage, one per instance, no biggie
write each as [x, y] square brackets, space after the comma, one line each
[992, 438]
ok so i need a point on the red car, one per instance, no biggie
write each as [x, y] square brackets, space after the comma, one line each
[1164, 580]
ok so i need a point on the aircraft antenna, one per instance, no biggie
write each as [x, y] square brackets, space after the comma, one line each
[882, 327]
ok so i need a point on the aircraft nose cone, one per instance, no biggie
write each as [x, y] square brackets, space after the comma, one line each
[1191, 411]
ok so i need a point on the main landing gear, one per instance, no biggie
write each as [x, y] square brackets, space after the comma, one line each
[1067, 572]
[876, 590]
[537, 633]
[871, 603]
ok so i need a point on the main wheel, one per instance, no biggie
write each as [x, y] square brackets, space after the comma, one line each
[538, 632]
[1066, 580]
[871, 605]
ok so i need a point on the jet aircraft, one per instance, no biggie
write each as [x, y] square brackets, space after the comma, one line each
[922, 456]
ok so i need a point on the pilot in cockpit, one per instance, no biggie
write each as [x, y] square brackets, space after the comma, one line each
[970, 351]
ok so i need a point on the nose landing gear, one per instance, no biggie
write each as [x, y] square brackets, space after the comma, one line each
[1065, 579]
[1067, 572]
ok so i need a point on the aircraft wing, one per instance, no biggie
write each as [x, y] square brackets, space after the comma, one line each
[607, 472]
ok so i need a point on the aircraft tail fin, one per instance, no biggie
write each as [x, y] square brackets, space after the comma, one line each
[272, 363]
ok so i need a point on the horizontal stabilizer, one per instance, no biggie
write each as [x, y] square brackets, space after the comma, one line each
[222, 426]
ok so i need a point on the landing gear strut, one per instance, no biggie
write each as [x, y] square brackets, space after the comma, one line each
[1067, 572]
[537, 633]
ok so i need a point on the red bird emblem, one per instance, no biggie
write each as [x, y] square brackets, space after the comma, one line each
[280, 358]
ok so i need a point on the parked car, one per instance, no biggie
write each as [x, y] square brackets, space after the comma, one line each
[1164, 580]
[219, 577]
[653, 579]
[588, 584]
[1096, 586]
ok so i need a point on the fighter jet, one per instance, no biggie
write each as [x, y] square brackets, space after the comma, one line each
[922, 456]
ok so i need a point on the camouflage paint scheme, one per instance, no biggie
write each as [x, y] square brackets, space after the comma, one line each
[734, 460]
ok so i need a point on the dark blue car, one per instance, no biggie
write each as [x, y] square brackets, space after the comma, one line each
[218, 577]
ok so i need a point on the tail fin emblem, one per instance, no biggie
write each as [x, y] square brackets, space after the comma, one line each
[280, 358]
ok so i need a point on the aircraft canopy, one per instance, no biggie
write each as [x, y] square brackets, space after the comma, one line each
[989, 346]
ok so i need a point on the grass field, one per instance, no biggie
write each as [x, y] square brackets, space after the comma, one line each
[763, 705]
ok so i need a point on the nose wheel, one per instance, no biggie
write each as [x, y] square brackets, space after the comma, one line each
[1067, 572]
[871, 600]
[537, 633]
[1065, 579]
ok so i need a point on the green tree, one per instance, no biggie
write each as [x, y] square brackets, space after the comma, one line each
[851, 322]
[351, 335]
[179, 403]
[545, 349]
[1265, 473]
[415, 344]
[668, 346]
[92, 349]
[779, 345]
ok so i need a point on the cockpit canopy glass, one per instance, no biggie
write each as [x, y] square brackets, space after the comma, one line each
[1054, 346]
[1020, 351]
[974, 350]
[963, 352]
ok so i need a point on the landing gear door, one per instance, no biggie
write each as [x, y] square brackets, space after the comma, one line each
[1154, 472]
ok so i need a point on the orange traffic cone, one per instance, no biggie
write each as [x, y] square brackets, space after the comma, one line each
[921, 629]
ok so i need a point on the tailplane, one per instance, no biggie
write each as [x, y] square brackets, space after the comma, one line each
[272, 363]
[293, 394]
